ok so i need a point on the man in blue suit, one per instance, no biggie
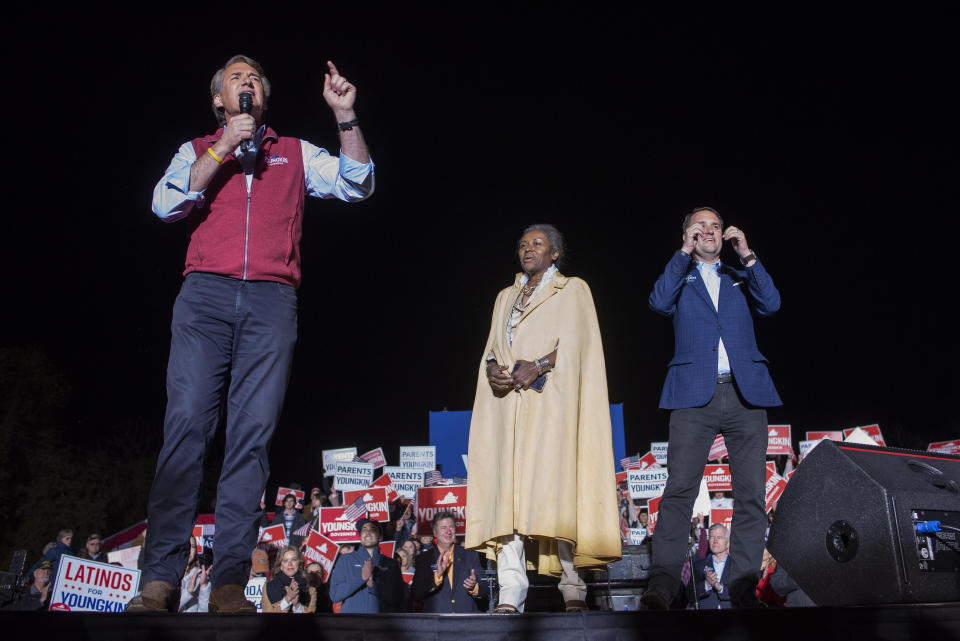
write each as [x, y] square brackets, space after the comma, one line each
[711, 575]
[717, 383]
[447, 577]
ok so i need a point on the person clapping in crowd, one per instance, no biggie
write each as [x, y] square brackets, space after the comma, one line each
[315, 582]
[288, 591]
[365, 581]
[195, 586]
[447, 577]
[36, 596]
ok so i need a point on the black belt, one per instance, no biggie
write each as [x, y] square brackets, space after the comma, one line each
[726, 377]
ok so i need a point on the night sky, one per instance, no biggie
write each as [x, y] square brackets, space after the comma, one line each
[829, 139]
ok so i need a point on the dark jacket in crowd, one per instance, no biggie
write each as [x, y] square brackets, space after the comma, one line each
[782, 584]
[347, 584]
[30, 599]
[710, 599]
[53, 555]
[443, 598]
[298, 522]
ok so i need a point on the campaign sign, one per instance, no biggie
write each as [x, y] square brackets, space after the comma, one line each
[718, 450]
[653, 509]
[778, 440]
[283, 491]
[775, 486]
[407, 577]
[323, 550]
[441, 498]
[621, 477]
[648, 461]
[406, 481]
[352, 475]
[272, 538]
[375, 498]
[646, 484]
[659, 451]
[376, 457]
[198, 538]
[637, 535]
[947, 447]
[772, 466]
[873, 431]
[718, 478]
[387, 548]
[254, 591]
[330, 458]
[336, 527]
[723, 516]
[833, 435]
[127, 557]
[83, 585]
[420, 457]
[387, 483]
[807, 446]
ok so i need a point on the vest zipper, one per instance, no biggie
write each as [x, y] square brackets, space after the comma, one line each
[246, 227]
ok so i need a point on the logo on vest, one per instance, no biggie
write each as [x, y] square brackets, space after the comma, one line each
[277, 159]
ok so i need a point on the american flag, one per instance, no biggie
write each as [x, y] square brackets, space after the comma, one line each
[432, 478]
[356, 510]
[305, 530]
[630, 462]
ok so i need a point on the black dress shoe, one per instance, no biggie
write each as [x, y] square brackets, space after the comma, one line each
[653, 600]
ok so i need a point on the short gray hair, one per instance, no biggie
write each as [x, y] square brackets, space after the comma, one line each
[720, 526]
[553, 235]
[696, 210]
[62, 534]
[216, 83]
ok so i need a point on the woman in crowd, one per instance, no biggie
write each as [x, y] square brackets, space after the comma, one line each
[195, 586]
[540, 432]
[289, 591]
[411, 547]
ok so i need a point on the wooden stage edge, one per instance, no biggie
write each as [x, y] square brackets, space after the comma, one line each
[940, 622]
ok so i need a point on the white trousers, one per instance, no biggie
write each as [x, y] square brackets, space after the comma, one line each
[512, 574]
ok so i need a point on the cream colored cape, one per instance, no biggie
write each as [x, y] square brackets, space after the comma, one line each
[541, 463]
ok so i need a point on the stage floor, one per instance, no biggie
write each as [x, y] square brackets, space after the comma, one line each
[940, 622]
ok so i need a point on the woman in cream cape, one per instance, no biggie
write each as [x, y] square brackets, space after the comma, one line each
[541, 480]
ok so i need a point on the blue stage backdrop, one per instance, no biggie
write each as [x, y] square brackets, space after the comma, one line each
[450, 433]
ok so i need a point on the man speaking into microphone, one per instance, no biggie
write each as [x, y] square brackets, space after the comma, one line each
[235, 320]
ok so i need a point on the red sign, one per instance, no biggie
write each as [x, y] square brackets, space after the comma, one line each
[723, 516]
[375, 498]
[775, 487]
[385, 481]
[376, 457]
[790, 473]
[718, 450]
[718, 478]
[772, 466]
[198, 538]
[441, 498]
[653, 509]
[273, 538]
[648, 460]
[283, 491]
[873, 431]
[778, 440]
[833, 435]
[387, 548]
[947, 447]
[320, 549]
[407, 577]
[336, 527]
[621, 477]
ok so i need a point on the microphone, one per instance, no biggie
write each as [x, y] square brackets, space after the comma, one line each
[246, 104]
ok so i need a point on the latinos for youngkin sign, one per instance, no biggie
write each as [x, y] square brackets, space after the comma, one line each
[83, 585]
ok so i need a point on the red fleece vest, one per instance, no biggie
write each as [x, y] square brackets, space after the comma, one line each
[262, 243]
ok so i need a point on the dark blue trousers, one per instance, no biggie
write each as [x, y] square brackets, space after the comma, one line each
[231, 339]
[692, 432]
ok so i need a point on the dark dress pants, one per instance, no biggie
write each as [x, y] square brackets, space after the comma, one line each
[230, 338]
[692, 432]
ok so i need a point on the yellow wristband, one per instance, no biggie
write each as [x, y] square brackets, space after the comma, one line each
[214, 156]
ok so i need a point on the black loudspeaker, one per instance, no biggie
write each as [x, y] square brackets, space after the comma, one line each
[848, 526]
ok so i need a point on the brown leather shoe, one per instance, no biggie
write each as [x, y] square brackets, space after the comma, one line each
[230, 599]
[156, 596]
[576, 605]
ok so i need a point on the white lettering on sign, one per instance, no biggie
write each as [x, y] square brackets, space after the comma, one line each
[421, 457]
[646, 484]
